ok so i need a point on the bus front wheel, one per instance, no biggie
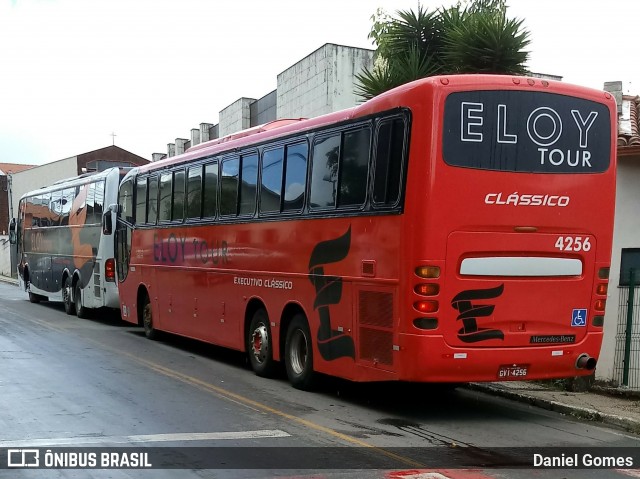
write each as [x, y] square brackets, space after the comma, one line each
[298, 354]
[34, 298]
[260, 345]
[147, 320]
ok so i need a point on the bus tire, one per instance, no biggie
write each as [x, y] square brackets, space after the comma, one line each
[81, 311]
[147, 320]
[67, 296]
[34, 298]
[260, 345]
[298, 354]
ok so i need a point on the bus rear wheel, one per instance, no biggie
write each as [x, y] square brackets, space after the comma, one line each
[147, 320]
[81, 311]
[67, 299]
[260, 345]
[298, 354]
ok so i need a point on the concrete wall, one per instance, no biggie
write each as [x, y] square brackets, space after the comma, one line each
[626, 235]
[5, 257]
[236, 116]
[40, 176]
[264, 110]
[322, 82]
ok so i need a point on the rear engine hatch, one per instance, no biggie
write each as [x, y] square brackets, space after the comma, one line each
[517, 289]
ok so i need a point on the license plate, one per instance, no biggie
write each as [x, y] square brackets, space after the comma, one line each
[513, 371]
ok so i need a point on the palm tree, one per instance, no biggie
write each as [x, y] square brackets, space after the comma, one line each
[478, 38]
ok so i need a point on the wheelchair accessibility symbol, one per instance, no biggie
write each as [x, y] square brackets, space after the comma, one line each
[579, 317]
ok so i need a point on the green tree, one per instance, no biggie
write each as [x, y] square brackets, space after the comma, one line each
[475, 38]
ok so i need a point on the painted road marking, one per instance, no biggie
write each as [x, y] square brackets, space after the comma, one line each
[193, 436]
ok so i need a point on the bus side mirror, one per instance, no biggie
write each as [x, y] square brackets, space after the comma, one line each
[12, 231]
[107, 223]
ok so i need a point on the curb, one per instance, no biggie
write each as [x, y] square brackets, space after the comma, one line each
[7, 279]
[628, 424]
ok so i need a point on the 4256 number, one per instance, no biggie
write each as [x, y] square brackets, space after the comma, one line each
[573, 243]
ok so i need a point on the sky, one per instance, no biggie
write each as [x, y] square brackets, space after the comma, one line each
[79, 75]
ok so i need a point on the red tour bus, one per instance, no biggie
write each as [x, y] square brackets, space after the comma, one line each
[457, 228]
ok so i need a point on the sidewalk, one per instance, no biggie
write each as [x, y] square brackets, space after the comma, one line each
[615, 407]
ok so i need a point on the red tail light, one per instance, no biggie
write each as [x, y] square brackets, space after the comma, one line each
[600, 305]
[426, 306]
[110, 269]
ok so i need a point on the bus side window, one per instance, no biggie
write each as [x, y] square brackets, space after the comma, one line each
[324, 175]
[178, 196]
[229, 187]
[354, 167]
[125, 200]
[90, 200]
[210, 190]
[141, 201]
[98, 202]
[68, 195]
[164, 207]
[194, 192]
[295, 181]
[55, 207]
[388, 162]
[271, 184]
[152, 204]
[248, 184]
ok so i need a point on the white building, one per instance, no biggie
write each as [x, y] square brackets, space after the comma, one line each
[322, 82]
[626, 250]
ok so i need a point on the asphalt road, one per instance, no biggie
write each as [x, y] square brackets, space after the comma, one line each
[76, 386]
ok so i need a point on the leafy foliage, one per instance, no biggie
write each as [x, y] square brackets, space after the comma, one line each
[477, 38]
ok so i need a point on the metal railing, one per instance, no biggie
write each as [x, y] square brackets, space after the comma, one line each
[627, 353]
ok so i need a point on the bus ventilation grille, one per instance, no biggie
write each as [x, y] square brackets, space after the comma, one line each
[375, 319]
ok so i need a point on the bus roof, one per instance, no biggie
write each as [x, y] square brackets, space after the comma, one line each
[73, 181]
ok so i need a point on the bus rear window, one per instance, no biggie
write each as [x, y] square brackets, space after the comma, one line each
[524, 131]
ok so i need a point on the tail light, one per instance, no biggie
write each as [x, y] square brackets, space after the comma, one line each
[427, 289]
[426, 306]
[110, 270]
[428, 271]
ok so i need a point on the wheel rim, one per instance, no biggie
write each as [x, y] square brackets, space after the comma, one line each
[298, 352]
[146, 318]
[260, 343]
[66, 293]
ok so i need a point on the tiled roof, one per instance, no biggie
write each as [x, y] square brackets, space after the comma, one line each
[628, 126]
[7, 168]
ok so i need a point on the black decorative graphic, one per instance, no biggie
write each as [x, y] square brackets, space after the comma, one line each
[332, 344]
[469, 312]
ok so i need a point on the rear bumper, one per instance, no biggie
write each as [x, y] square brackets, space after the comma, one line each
[430, 359]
